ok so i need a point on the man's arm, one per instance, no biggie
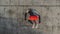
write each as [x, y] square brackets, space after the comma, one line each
[25, 15]
[39, 19]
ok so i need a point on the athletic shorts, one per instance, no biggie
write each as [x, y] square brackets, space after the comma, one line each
[33, 18]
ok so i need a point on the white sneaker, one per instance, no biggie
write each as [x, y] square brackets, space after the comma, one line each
[36, 26]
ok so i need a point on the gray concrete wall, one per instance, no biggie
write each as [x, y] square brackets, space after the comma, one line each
[50, 15]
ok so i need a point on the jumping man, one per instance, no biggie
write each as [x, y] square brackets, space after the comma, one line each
[33, 18]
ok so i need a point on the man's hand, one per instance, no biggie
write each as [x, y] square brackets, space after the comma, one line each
[25, 22]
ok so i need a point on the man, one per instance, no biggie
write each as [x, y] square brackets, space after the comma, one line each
[33, 18]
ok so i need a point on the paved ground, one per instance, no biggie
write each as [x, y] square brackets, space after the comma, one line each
[11, 26]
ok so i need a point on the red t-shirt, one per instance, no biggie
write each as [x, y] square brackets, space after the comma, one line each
[33, 17]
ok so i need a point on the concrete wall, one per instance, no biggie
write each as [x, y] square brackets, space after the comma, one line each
[50, 14]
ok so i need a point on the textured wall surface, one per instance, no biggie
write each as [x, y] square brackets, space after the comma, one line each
[12, 16]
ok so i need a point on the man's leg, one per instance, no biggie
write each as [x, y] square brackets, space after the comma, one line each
[32, 22]
[33, 26]
[36, 22]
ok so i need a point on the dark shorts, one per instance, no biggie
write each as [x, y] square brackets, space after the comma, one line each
[33, 18]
